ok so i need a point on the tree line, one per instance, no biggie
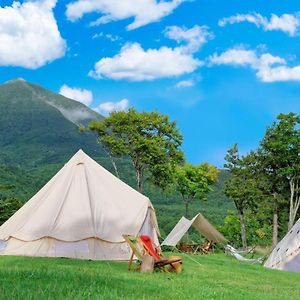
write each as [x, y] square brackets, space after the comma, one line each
[152, 143]
[265, 182]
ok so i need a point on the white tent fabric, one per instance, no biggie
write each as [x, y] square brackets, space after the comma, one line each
[200, 223]
[241, 258]
[177, 232]
[235, 253]
[286, 255]
[81, 212]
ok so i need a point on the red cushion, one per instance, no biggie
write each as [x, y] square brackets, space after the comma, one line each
[148, 243]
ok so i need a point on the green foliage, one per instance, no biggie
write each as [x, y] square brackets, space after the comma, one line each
[242, 186]
[8, 207]
[232, 228]
[258, 232]
[280, 162]
[280, 146]
[149, 139]
[39, 127]
[193, 182]
[24, 183]
[38, 136]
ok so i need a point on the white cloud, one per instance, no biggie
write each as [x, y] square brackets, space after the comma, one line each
[76, 115]
[136, 64]
[98, 35]
[254, 18]
[143, 11]
[280, 73]
[106, 108]
[185, 83]
[82, 95]
[194, 37]
[111, 37]
[29, 36]
[268, 68]
[287, 23]
[234, 56]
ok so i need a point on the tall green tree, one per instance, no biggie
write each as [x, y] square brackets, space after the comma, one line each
[193, 182]
[273, 188]
[149, 139]
[241, 187]
[280, 157]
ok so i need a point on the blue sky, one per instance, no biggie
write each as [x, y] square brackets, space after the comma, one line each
[222, 69]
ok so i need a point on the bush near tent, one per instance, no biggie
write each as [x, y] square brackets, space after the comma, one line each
[258, 233]
[8, 207]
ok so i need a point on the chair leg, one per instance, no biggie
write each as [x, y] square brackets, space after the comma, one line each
[130, 261]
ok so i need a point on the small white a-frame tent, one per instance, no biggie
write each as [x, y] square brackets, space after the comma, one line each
[200, 223]
[81, 212]
[286, 255]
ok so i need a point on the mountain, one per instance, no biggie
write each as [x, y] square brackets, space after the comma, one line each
[39, 132]
[39, 127]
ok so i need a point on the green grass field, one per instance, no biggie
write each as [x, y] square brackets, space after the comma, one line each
[214, 276]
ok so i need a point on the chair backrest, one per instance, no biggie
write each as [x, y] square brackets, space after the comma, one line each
[134, 245]
[148, 247]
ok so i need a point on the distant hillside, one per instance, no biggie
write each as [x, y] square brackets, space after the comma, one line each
[39, 133]
[38, 127]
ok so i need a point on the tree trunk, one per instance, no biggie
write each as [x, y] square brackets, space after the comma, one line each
[186, 208]
[112, 161]
[138, 174]
[114, 166]
[294, 202]
[275, 223]
[243, 229]
[186, 237]
[138, 180]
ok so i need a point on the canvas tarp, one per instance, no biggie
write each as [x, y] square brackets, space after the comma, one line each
[286, 255]
[200, 223]
[81, 212]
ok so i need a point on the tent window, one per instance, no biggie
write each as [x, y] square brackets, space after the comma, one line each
[291, 231]
[298, 231]
[287, 250]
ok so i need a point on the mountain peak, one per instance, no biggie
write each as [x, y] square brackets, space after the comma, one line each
[16, 80]
[19, 89]
[43, 122]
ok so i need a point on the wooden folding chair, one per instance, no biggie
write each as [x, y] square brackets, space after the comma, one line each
[141, 246]
[137, 251]
[206, 247]
[160, 261]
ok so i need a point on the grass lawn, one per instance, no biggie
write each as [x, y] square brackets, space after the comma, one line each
[214, 276]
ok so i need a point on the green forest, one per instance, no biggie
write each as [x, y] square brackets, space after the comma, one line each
[253, 200]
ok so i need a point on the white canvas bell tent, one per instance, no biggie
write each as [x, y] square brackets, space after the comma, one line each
[200, 223]
[286, 255]
[81, 212]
